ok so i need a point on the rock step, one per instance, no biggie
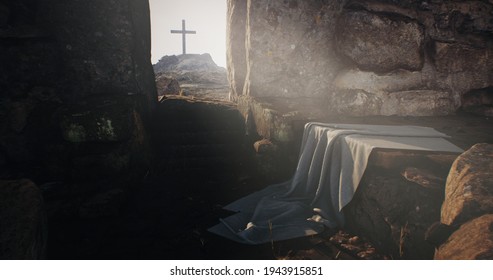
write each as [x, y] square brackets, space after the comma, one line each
[191, 110]
[194, 163]
[190, 113]
[199, 137]
[204, 150]
[180, 125]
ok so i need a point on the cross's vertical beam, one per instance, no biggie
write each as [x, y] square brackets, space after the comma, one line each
[183, 33]
[184, 36]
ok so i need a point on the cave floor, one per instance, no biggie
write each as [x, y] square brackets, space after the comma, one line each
[167, 215]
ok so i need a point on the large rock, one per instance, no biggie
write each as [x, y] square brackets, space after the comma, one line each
[397, 200]
[105, 46]
[59, 56]
[167, 85]
[472, 241]
[380, 43]
[469, 190]
[453, 58]
[289, 47]
[458, 20]
[404, 103]
[23, 225]
[479, 102]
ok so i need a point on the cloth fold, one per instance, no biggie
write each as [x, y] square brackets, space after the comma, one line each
[332, 161]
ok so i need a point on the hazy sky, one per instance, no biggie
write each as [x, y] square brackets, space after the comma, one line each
[207, 17]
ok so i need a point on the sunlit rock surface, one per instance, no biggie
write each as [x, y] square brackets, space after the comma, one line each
[469, 191]
[472, 241]
[405, 58]
[289, 48]
[167, 85]
[361, 39]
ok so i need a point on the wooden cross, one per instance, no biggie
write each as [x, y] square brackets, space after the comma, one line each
[183, 33]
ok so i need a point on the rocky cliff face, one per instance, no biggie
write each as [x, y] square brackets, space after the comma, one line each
[77, 92]
[364, 57]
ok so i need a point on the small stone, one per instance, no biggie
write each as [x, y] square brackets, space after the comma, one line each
[354, 240]
[424, 178]
[264, 146]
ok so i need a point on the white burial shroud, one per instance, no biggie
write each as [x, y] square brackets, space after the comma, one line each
[332, 160]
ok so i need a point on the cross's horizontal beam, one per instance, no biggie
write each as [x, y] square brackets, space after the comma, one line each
[186, 31]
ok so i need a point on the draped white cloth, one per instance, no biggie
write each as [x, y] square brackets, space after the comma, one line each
[332, 161]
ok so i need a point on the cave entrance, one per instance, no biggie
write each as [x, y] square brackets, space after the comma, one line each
[201, 72]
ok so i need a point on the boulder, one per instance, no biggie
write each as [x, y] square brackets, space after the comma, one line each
[355, 103]
[454, 57]
[379, 42]
[289, 48]
[472, 241]
[359, 102]
[418, 103]
[362, 93]
[469, 189]
[455, 20]
[167, 85]
[479, 102]
[23, 224]
[397, 200]
[394, 215]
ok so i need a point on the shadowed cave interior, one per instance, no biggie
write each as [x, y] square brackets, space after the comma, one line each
[93, 165]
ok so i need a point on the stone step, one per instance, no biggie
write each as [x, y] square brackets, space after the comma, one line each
[191, 114]
[173, 110]
[198, 137]
[180, 125]
[214, 164]
[201, 150]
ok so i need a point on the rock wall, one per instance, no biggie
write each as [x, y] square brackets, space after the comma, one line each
[364, 57]
[77, 89]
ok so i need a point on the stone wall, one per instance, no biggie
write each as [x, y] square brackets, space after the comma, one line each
[77, 88]
[363, 57]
